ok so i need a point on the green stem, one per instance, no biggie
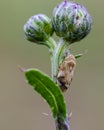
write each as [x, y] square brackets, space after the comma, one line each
[51, 44]
[58, 56]
[57, 53]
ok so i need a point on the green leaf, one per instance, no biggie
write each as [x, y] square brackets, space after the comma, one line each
[78, 56]
[48, 90]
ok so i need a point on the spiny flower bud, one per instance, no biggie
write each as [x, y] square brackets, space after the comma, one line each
[38, 28]
[71, 21]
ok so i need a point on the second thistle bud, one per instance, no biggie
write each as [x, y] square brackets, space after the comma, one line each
[38, 28]
[71, 21]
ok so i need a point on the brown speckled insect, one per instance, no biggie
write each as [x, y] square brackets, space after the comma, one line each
[66, 72]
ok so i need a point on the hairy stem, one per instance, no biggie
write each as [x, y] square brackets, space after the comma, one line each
[58, 53]
[51, 44]
[58, 56]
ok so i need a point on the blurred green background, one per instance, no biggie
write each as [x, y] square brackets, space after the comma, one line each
[20, 107]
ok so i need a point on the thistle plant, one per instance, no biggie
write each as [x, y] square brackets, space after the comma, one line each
[71, 22]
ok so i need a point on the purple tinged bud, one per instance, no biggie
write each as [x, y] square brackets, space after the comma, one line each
[71, 21]
[38, 28]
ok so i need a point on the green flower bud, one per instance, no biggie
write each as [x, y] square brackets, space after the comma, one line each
[38, 28]
[71, 21]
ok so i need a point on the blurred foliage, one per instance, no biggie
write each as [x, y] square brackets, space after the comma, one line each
[20, 108]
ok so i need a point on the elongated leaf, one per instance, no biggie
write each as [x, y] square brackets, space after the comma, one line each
[48, 90]
[78, 56]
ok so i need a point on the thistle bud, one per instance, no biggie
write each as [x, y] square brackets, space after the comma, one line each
[38, 28]
[71, 21]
